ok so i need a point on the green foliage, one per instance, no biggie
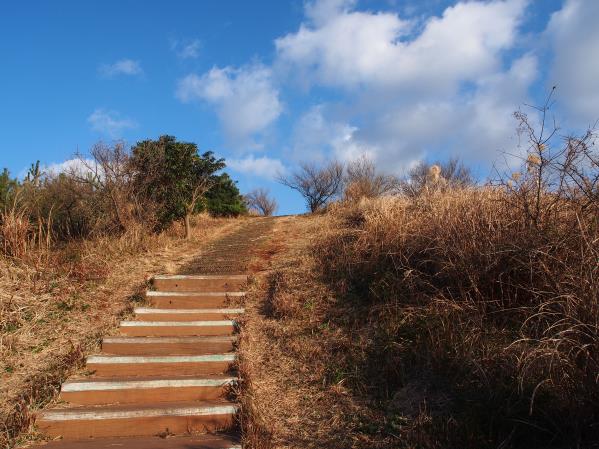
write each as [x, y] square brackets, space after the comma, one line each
[224, 199]
[170, 174]
[34, 174]
[8, 187]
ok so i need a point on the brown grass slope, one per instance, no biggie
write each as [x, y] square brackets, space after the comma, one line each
[448, 320]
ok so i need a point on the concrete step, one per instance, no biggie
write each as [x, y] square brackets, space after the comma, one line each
[167, 365]
[176, 328]
[131, 390]
[199, 283]
[173, 442]
[192, 300]
[145, 314]
[137, 420]
[168, 345]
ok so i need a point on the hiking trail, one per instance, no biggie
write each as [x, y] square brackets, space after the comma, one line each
[167, 379]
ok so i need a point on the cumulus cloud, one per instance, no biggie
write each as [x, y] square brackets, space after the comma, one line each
[316, 137]
[77, 166]
[109, 122]
[345, 48]
[121, 67]
[409, 90]
[320, 11]
[263, 166]
[574, 35]
[246, 100]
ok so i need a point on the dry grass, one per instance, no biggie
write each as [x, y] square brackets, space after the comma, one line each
[443, 321]
[489, 324]
[291, 398]
[55, 305]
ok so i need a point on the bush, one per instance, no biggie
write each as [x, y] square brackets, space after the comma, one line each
[476, 307]
[458, 296]
[363, 181]
[259, 202]
[224, 199]
[114, 192]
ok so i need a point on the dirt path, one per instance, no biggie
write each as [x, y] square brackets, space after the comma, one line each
[233, 253]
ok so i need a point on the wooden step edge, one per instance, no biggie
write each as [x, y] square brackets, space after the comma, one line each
[178, 323]
[168, 340]
[104, 385]
[112, 412]
[153, 293]
[236, 277]
[121, 359]
[147, 310]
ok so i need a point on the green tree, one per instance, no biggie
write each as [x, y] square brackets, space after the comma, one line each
[177, 179]
[8, 187]
[224, 199]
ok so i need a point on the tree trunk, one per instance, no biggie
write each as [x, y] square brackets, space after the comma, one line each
[187, 226]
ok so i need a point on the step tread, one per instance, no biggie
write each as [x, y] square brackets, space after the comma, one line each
[112, 359]
[124, 383]
[143, 310]
[176, 442]
[177, 323]
[169, 293]
[181, 339]
[128, 411]
[201, 276]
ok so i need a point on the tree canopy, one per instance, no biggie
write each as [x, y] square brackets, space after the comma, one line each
[180, 181]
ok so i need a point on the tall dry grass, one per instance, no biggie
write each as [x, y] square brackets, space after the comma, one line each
[477, 327]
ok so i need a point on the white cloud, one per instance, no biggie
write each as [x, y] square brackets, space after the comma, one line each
[77, 166]
[574, 35]
[319, 12]
[187, 49]
[316, 138]
[409, 90]
[109, 122]
[349, 49]
[121, 67]
[263, 166]
[246, 100]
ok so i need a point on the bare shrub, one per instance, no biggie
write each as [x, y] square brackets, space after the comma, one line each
[318, 185]
[425, 177]
[553, 169]
[363, 181]
[108, 178]
[260, 202]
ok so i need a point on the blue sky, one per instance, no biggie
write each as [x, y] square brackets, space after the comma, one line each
[268, 84]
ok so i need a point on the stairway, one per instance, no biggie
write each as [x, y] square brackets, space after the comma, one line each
[165, 381]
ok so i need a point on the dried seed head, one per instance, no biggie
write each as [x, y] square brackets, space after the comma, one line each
[434, 172]
[533, 159]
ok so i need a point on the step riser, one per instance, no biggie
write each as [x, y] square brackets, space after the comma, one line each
[151, 442]
[190, 316]
[198, 285]
[143, 396]
[158, 369]
[92, 428]
[176, 331]
[149, 349]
